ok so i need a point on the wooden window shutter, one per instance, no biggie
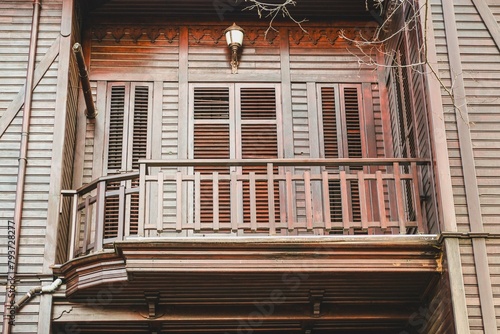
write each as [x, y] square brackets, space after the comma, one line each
[341, 114]
[128, 122]
[117, 123]
[211, 140]
[259, 140]
[402, 122]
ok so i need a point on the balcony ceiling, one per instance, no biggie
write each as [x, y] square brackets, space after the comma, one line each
[339, 285]
[228, 10]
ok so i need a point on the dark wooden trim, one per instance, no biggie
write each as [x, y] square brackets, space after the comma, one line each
[489, 20]
[469, 170]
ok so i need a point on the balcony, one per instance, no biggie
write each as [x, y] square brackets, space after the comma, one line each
[256, 198]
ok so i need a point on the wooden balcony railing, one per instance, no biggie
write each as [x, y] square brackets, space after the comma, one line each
[183, 198]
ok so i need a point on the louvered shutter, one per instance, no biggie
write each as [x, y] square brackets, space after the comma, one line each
[402, 122]
[117, 146]
[342, 138]
[259, 140]
[127, 143]
[211, 140]
[138, 142]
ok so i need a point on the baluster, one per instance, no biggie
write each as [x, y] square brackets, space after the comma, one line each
[87, 229]
[289, 201]
[215, 187]
[142, 199]
[399, 198]
[363, 200]
[253, 202]
[416, 195]
[99, 222]
[308, 200]
[178, 184]
[326, 201]
[197, 201]
[159, 213]
[74, 226]
[381, 200]
[270, 198]
[344, 195]
[121, 213]
[235, 207]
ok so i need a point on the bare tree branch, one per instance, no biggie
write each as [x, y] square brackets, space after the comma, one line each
[271, 10]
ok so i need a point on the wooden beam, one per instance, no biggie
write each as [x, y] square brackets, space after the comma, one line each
[42, 68]
[489, 20]
[122, 315]
[469, 170]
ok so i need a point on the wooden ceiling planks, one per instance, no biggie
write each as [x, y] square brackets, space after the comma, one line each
[227, 10]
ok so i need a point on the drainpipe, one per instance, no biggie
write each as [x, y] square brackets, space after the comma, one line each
[37, 289]
[21, 175]
[84, 78]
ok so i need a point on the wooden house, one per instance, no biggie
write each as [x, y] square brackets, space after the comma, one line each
[332, 185]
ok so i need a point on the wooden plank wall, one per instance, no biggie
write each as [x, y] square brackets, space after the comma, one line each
[15, 25]
[480, 60]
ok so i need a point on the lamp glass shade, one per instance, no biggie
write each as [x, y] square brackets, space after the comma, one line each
[234, 35]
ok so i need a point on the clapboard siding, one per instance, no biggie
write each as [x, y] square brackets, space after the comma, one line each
[481, 66]
[39, 153]
[170, 120]
[15, 18]
[300, 121]
[38, 174]
[452, 137]
[450, 120]
[334, 64]
[88, 157]
[493, 248]
[125, 57]
[15, 27]
[204, 60]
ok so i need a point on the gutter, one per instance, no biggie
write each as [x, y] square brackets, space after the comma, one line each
[21, 176]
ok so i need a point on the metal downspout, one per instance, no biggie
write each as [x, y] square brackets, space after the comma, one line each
[21, 176]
